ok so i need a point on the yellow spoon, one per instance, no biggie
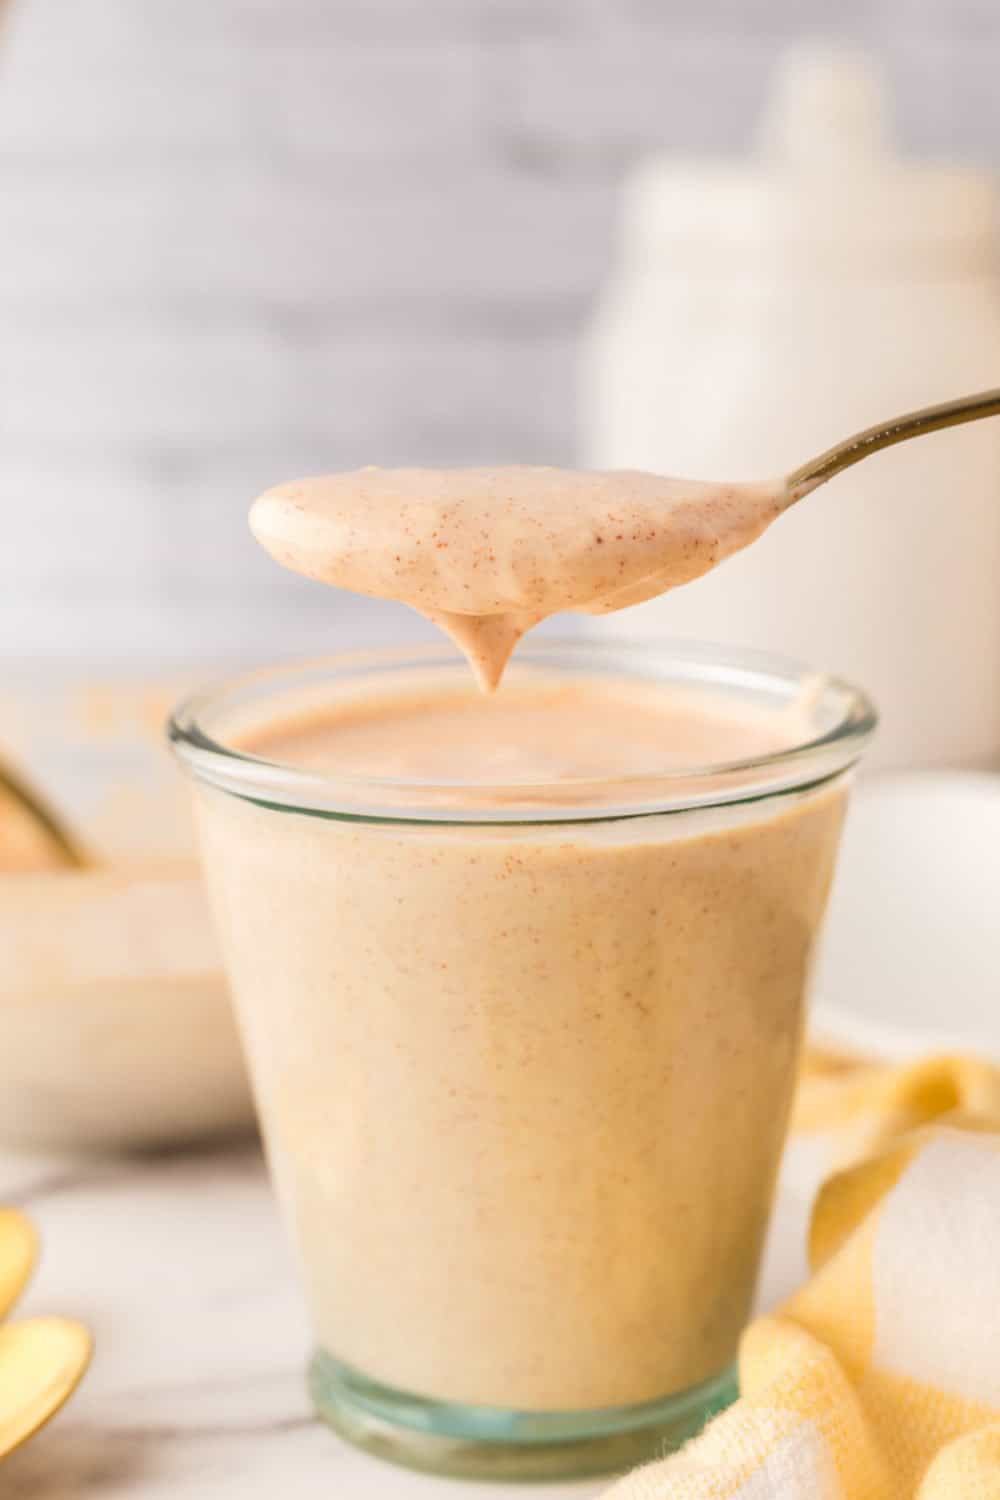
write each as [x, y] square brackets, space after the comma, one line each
[41, 1362]
[18, 1251]
[41, 1359]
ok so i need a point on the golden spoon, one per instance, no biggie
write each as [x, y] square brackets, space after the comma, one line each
[41, 1363]
[14, 788]
[41, 1359]
[809, 476]
[18, 1251]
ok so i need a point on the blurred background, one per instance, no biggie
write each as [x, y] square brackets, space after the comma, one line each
[247, 239]
[243, 240]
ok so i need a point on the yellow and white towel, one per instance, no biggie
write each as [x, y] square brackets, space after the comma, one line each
[880, 1379]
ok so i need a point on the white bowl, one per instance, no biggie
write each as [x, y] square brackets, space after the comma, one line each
[911, 958]
[115, 1016]
[115, 1023]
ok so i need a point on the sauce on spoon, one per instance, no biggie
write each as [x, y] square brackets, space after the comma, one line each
[488, 553]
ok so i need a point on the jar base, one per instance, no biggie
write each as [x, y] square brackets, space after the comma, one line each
[484, 1442]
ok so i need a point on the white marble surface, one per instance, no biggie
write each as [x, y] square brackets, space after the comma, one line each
[196, 1391]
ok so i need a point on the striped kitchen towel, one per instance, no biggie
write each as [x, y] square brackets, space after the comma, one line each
[880, 1379]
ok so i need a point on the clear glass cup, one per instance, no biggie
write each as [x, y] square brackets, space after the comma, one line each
[523, 1055]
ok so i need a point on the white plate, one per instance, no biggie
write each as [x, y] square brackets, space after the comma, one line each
[911, 959]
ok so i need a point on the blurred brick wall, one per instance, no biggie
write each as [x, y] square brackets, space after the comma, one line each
[242, 239]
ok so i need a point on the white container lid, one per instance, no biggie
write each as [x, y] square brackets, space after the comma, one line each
[825, 183]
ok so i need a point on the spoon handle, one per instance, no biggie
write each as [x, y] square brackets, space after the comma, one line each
[884, 434]
[13, 785]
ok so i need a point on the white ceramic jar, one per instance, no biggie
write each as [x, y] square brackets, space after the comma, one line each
[758, 312]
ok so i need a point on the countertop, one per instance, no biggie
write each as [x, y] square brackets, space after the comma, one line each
[178, 1264]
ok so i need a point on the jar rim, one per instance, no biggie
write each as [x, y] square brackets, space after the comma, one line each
[841, 716]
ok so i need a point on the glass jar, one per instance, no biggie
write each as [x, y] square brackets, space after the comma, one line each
[523, 1055]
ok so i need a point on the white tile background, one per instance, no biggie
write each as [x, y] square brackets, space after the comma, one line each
[241, 239]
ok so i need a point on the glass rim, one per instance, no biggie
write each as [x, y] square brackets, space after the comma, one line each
[803, 764]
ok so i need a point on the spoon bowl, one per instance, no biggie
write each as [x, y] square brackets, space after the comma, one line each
[42, 1361]
[18, 1252]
